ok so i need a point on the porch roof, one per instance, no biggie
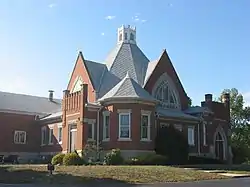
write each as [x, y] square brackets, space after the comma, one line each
[172, 113]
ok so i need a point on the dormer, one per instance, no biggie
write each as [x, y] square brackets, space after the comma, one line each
[126, 35]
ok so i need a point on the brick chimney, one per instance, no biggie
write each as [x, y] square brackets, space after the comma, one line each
[208, 98]
[208, 101]
[51, 95]
[226, 101]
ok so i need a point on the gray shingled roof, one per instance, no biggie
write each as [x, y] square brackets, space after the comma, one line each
[197, 109]
[150, 69]
[27, 103]
[95, 70]
[128, 88]
[57, 114]
[108, 81]
[174, 114]
[127, 57]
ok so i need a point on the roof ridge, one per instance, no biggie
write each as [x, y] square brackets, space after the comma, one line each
[133, 64]
[137, 84]
[95, 62]
[121, 84]
[28, 95]
[119, 46]
[101, 79]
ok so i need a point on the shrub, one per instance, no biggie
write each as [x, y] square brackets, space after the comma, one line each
[148, 159]
[92, 151]
[114, 157]
[173, 144]
[155, 159]
[240, 154]
[58, 159]
[72, 159]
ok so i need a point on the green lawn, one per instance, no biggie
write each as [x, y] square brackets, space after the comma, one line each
[82, 174]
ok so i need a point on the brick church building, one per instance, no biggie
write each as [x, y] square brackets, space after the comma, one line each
[121, 103]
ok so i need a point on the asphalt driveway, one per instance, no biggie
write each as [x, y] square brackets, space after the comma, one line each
[241, 182]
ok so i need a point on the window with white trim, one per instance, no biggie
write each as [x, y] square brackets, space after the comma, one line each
[59, 138]
[51, 135]
[106, 126]
[43, 135]
[204, 133]
[178, 127]
[124, 126]
[191, 135]
[145, 125]
[91, 131]
[20, 137]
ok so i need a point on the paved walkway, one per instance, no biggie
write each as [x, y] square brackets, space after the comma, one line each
[242, 182]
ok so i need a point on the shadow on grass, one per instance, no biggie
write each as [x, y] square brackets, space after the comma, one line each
[8, 175]
[222, 167]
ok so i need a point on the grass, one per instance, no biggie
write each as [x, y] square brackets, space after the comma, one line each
[96, 174]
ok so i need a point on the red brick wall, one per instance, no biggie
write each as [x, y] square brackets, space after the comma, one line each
[10, 123]
[55, 147]
[165, 66]
[135, 144]
[80, 70]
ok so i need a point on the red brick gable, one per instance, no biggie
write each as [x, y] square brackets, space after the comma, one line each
[164, 65]
[81, 70]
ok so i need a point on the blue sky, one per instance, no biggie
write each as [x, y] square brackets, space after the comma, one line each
[207, 41]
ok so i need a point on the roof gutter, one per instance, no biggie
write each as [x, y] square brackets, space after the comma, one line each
[128, 99]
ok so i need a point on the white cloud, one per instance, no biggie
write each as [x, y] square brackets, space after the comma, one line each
[102, 33]
[170, 4]
[136, 18]
[52, 5]
[110, 17]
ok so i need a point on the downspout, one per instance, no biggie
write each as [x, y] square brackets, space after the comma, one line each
[199, 140]
[199, 145]
[98, 132]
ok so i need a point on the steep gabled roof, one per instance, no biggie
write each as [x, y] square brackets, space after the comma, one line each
[127, 57]
[29, 104]
[128, 88]
[95, 71]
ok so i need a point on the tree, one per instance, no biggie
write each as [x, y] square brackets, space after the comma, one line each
[173, 144]
[240, 120]
[240, 115]
[189, 102]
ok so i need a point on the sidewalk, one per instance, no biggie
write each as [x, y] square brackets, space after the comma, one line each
[224, 173]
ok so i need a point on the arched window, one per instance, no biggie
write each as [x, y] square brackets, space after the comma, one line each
[131, 36]
[164, 92]
[126, 36]
[166, 95]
